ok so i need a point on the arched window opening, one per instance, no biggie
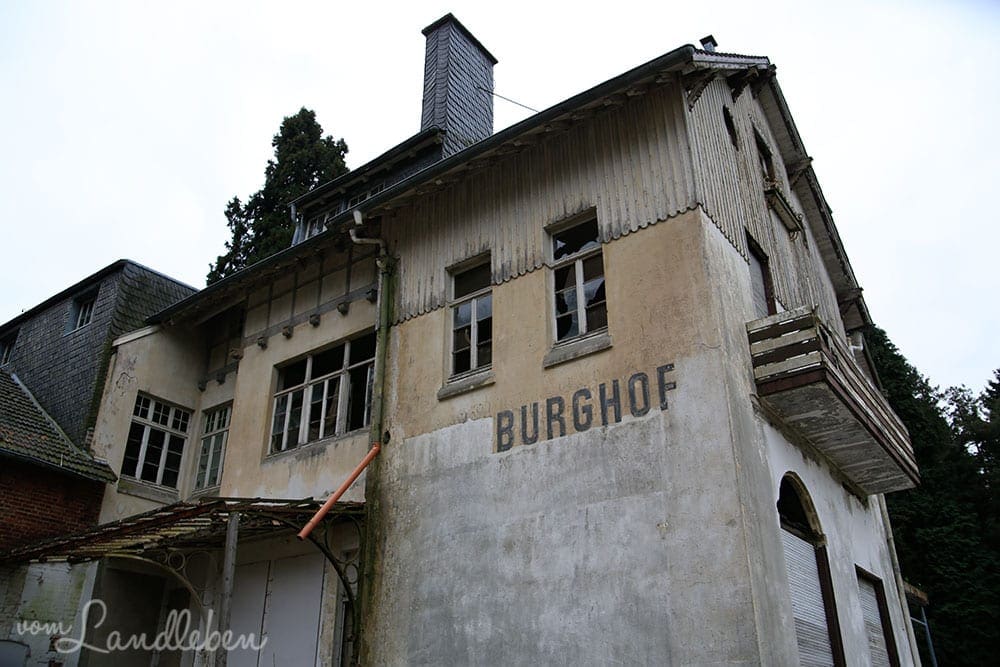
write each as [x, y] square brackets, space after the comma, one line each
[817, 629]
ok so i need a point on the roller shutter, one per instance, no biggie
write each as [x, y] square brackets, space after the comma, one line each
[811, 631]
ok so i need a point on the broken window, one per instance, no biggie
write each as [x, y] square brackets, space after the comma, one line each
[215, 430]
[764, 156]
[155, 444]
[760, 281]
[82, 311]
[579, 298]
[472, 318]
[7, 347]
[326, 394]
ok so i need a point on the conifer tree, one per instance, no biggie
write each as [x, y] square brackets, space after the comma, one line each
[303, 159]
[940, 528]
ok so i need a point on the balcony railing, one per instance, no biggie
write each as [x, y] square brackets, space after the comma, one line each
[810, 380]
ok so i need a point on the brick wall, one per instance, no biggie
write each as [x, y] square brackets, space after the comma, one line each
[36, 503]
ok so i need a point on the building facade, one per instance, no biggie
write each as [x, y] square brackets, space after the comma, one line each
[609, 362]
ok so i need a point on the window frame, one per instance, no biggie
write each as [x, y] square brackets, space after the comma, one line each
[576, 259]
[756, 253]
[149, 424]
[342, 418]
[209, 417]
[883, 611]
[7, 343]
[82, 312]
[474, 297]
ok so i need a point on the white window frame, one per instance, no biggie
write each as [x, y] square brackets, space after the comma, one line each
[474, 298]
[577, 260]
[83, 311]
[215, 427]
[149, 424]
[342, 377]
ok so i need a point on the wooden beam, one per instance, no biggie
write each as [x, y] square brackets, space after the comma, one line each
[228, 574]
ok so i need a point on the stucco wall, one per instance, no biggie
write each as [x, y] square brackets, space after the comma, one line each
[619, 544]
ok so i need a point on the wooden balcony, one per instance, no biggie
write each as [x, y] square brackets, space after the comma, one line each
[810, 380]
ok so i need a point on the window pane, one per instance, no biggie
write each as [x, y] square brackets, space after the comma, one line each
[463, 314]
[566, 301]
[484, 307]
[484, 354]
[566, 277]
[292, 375]
[277, 429]
[217, 445]
[575, 239]
[180, 421]
[593, 267]
[597, 316]
[357, 408]
[567, 326]
[132, 447]
[363, 349]
[461, 361]
[327, 362]
[161, 413]
[472, 280]
[485, 330]
[154, 450]
[294, 418]
[316, 411]
[141, 407]
[462, 339]
[593, 291]
[332, 403]
[172, 466]
[200, 481]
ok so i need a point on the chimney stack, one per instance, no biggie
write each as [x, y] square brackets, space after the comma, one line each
[458, 85]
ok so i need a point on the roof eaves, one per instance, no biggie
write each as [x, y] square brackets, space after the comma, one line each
[417, 141]
[671, 60]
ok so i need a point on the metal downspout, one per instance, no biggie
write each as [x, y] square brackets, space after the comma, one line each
[891, 544]
[382, 318]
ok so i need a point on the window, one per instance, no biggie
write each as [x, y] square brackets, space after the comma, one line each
[7, 347]
[578, 271]
[215, 429]
[760, 281]
[817, 629]
[155, 443]
[875, 612]
[83, 311]
[471, 319]
[764, 156]
[326, 394]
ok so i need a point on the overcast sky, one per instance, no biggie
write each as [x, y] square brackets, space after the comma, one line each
[126, 127]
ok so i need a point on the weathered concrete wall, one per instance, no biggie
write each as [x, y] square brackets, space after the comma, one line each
[623, 543]
[855, 532]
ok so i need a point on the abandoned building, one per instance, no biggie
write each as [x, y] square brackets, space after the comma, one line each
[608, 369]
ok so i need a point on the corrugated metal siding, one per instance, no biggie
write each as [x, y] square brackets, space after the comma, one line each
[632, 164]
[730, 188]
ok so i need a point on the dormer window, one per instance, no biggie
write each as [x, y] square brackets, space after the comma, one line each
[7, 347]
[82, 311]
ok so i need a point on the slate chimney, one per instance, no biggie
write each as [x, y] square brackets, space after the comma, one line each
[458, 80]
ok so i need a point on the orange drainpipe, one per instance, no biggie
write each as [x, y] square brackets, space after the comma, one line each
[331, 501]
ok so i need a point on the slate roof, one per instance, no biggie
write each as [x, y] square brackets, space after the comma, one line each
[29, 434]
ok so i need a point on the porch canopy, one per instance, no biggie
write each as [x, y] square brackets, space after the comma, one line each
[183, 525]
